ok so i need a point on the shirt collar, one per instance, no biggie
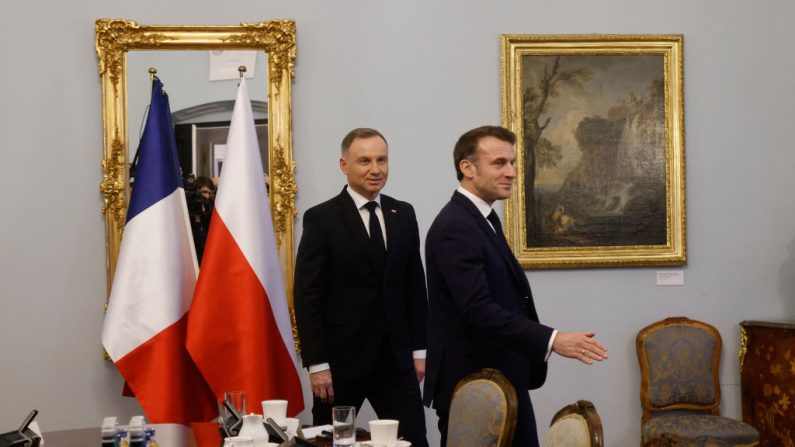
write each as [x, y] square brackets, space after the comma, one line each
[480, 204]
[361, 200]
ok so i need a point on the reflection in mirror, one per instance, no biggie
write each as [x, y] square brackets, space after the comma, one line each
[198, 84]
[194, 97]
[198, 65]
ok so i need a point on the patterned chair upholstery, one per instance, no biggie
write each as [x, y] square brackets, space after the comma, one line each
[483, 411]
[575, 425]
[679, 391]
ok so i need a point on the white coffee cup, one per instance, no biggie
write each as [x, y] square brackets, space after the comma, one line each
[275, 409]
[292, 426]
[384, 431]
[239, 441]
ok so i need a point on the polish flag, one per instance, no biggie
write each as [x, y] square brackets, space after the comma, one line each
[144, 328]
[239, 331]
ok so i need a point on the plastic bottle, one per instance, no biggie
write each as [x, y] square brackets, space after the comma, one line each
[109, 437]
[137, 437]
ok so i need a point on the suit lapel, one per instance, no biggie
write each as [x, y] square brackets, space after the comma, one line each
[495, 239]
[353, 220]
[392, 228]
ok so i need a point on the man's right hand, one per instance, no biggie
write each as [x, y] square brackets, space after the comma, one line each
[321, 386]
[579, 345]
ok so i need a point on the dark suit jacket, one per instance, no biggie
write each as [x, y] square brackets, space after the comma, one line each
[343, 306]
[481, 311]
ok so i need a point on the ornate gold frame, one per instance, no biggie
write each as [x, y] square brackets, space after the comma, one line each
[673, 252]
[116, 37]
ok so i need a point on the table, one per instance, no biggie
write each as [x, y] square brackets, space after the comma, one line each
[166, 435]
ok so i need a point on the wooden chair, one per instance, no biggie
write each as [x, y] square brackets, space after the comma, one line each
[483, 411]
[679, 389]
[575, 425]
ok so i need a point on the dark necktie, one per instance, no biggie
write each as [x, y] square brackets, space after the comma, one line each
[377, 246]
[495, 222]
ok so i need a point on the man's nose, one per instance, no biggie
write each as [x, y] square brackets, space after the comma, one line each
[511, 171]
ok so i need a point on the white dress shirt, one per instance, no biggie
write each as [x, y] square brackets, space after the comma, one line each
[360, 202]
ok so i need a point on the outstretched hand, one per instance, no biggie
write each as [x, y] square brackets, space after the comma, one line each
[579, 345]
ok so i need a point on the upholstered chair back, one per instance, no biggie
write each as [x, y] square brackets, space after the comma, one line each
[679, 361]
[483, 411]
[679, 390]
[575, 425]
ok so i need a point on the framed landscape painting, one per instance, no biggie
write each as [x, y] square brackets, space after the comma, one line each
[600, 149]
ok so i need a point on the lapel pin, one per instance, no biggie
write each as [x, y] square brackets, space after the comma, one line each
[393, 211]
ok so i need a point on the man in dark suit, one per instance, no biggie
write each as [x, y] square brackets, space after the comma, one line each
[480, 304]
[360, 298]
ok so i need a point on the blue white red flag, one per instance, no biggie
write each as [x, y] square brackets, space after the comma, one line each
[145, 325]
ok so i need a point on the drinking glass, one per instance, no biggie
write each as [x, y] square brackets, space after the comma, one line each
[238, 401]
[343, 420]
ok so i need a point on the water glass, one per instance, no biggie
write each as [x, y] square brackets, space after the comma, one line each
[238, 401]
[343, 420]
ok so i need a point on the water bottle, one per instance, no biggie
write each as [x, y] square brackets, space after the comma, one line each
[109, 437]
[137, 437]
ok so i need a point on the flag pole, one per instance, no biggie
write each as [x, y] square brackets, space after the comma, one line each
[242, 70]
[152, 76]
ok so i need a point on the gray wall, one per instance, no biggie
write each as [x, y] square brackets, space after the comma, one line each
[422, 72]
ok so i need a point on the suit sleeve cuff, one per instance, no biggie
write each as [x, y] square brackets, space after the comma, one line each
[549, 345]
[419, 354]
[321, 367]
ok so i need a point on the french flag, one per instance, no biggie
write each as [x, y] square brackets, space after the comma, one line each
[145, 325]
[239, 331]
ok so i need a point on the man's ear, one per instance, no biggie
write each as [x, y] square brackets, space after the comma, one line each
[467, 168]
[344, 165]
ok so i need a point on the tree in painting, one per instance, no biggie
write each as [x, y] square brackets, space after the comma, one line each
[540, 152]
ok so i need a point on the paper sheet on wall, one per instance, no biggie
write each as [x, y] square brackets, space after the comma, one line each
[224, 64]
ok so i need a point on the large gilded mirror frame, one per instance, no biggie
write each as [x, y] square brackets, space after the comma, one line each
[115, 38]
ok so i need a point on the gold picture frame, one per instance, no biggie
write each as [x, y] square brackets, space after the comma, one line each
[599, 121]
[277, 38]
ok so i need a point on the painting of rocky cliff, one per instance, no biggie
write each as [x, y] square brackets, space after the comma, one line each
[594, 150]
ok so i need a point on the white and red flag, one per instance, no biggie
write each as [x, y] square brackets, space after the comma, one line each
[239, 331]
[145, 325]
